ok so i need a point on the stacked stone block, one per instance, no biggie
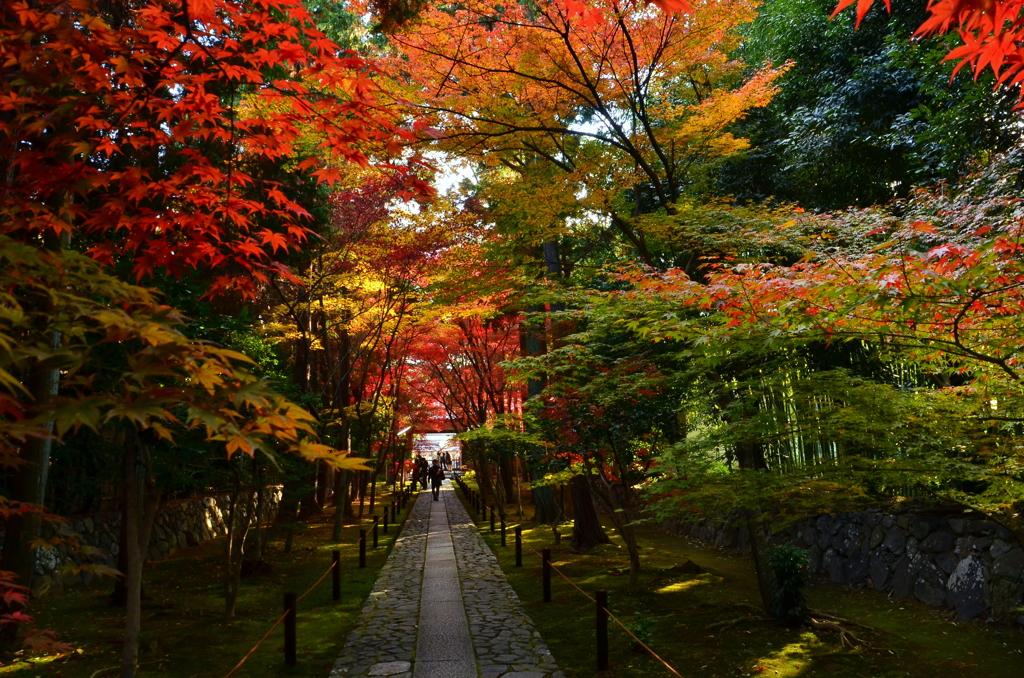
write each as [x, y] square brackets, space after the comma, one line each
[177, 525]
[972, 566]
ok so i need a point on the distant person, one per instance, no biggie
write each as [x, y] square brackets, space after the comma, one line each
[422, 468]
[417, 472]
[436, 475]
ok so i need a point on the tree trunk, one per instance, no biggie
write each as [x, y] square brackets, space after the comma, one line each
[119, 596]
[239, 520]
[750, 457]
[361, 475]
[141, 501]
[630, 537]
[308, 505]
[586, 530]
[483, 473]
[29, 486]
[324, 480]
[505, 473]
[757, 548]
[341, 484]
[533, 344]
[30, 481]
[287, 514]
[351, 492]
[619, 511]
[545, 510]
[256, 541]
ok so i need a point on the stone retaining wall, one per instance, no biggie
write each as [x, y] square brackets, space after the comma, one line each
[177, 525]
[974, 567]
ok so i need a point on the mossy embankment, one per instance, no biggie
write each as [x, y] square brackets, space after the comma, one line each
[904, 638]
[184, 632]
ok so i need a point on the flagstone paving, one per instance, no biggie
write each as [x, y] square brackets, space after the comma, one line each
[442, 608]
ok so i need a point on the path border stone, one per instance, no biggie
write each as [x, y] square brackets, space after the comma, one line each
[442, 607]
[507, 643]
[384, 638]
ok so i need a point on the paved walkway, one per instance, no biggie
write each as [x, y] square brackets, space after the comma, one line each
[442, 608]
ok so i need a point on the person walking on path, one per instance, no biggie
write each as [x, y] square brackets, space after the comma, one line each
[418, 477]
[436, 475]
[424, 471]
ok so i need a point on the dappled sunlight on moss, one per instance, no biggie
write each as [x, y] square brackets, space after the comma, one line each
[710, 624]
[793, 659]
[687, 584]
[184, 610]
[30, 663]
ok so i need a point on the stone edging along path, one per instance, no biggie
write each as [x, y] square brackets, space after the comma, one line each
[505, 640]
[442, 608]
[386, 630]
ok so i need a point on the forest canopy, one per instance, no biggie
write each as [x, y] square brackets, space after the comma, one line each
[699, 257]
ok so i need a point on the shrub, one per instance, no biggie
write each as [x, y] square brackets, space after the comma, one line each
[788, 564]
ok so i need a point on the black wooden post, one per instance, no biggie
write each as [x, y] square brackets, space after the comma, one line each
[503, 532]
[385, 518]
[602, 630]
[519, 545]
[289, 629]
[373, 490]
[492, 519]
[375, 530]
[545, 555]
[336, 574]
[362, 548]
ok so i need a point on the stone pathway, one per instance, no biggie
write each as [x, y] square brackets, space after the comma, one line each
[442, 608]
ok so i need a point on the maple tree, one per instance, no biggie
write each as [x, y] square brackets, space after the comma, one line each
[142, 134]
[163, 384]
[458, 365]
[605, 417]
[881, 359]
[941, 290]
[619, 104]
[235, 144]
[991, 32]
[141, 127]
[350, 315]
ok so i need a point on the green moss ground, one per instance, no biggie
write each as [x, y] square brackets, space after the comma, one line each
[184, 633]
[906, 638]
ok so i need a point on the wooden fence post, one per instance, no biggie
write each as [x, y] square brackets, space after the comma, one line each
[519, 545]
[545, 556]
[289, 629]
[336, 574]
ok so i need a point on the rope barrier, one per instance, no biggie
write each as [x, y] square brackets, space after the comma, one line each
[257, 645]
[297, 600]
[609, 612]
[324, 576]
[613, 618]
